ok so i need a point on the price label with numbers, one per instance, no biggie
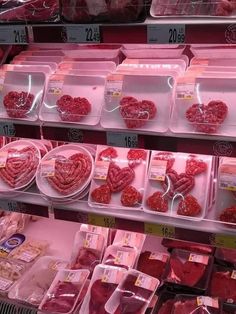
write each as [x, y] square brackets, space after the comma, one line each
[223, 240]
[11, 206]
[15, 34]
[129, 140]
[102, 221]
[166, 34]
[159, 230]
[83, 34]
[7, 129]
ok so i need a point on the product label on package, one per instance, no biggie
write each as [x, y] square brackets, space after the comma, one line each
[159, 257]
[3, 159]
[48, 168]
[55, 85]
[28, 256]
[10, 244]
[91, 241]
[75, 277]
[101, 170]
[129, 239]
[57, 265]
[208, 301]
[112, 276]
[146, 282]
[233, 275]
[227, 175]
[196, 258]
[114, 86]
[123, 258]
[5, 284]
[2, 79]
[158, 170]
[185, 91]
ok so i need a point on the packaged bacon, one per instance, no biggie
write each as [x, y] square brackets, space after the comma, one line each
[120, 256]
[129, 239]
[87, 250]
[103, 283]
[133, 294]
[64, 292]
[187, 271]
[118, 180]
[175, 185]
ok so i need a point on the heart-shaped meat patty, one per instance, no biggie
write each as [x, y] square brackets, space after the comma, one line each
[20, 166]
[130, 196]
[176, 184]
[136, 156]
[135, 113]
[70, 173]
[166, 156]
[101, 194]
[157, 202]
[119, 178]
[108, 154]
[195, 166]
[17, 104]
[207, 118]
[229, 215]
[189, 207]
[73, 109]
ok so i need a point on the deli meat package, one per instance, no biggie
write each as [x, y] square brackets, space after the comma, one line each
[64, 292]
[32, 287]
[188, 271]
[87, 251]
[176, 185]
[73, 99]
[118, 180]
[21, 94]
[19, 161]
[85, 11]
[103, 283]
[65, 172]
[138, 101]
[226, 193]
[133, 294]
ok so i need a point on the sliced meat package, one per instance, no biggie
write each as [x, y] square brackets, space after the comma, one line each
[64, 292]
[225, 257]
[21, 94]
[120, 256]
[129, 239]
[223, 284]
[103, 283]
[19, 161]
[87, 250]
[133, 294]
[73, 99]
[118, 180]
[85, 11]
[188, 271]
[187, 246]
[176, 185]
[32, 287]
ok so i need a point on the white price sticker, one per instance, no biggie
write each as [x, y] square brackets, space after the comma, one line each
[166, 34]
[83, 34]
[10, 206]
[129, 140]
[13, 34]
[7, 129]
[185, 91]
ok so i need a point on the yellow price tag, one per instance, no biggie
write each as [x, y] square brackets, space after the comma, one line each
[102, 221]
[223, 240]
[159, 230]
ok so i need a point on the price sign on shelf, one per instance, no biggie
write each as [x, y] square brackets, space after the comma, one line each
[102, 221]
[129, 140]
[83, 33]
[166, 34]
[223, 240]
[159, 230]
[11, 206]
[7, 129]
[13, 34]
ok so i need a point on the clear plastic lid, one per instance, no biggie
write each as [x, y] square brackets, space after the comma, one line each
[129, 239]
[120, 256]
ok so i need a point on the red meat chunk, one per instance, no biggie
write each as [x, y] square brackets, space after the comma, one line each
[87, 258]
[136, 156]
[188, 246]
[108, 154]
[130, 196]
[229, 215]
[18, 105]
[157, 202]
[223, 286]
[195, 166]
[191, 306]
[152, 267]
[166, 307]
[101, 194]
[189, 207]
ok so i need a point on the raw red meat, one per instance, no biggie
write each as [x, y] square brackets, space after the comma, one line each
[101, 194]
[21, 166]
[166, 307]
[108, 154]
[225, 8]
[124, 10]
[207, 118]
[111, 260]
[152, 267]
[190, 246]
[130, 196]
[73, 109]
[190, 306]
[195, 166]
[223, 286]
[228, 255]
[135, 113]
[119, 178]
[169, 157]
[157, 202]
[100, 293]
[176, 185]
[136, 156]
[76, 11]
[70, 173]
[18, 105]
[187, 273]
[189, 206]
[87, 258]
[229, 215]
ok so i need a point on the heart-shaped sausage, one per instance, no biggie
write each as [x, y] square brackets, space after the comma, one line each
[119, 178]
[18, 104]
[177, 184]
[20, 166]
[157, 202]
[207, 118]
[189, 207]
[130, 196]
[135, 113]
[102, 194]
[70, 173]
[195, 166]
